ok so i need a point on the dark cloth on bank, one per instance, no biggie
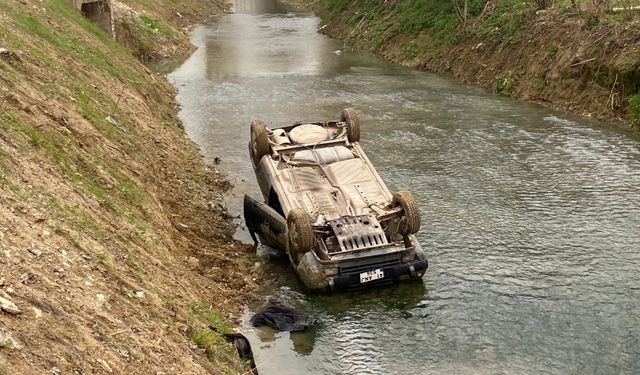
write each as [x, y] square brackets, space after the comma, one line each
[243, 347]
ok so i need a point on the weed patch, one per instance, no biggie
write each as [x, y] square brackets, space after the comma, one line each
[217, 350]
[634, 109]
[156, 26]
[505, 82]
[335, 8]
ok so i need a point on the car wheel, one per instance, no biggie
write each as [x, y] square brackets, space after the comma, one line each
[259, 140]
[299, 233]
[411, 222]
[349, 116]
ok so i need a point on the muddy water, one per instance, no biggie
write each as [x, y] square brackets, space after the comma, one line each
[531, 218]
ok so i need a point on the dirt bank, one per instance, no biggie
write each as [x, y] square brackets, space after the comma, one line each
[115, 250]
[569, 60]
[156, 29]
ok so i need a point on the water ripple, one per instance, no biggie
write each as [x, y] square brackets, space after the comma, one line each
[531, 220]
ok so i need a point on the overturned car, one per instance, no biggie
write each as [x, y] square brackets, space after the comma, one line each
[328, 209]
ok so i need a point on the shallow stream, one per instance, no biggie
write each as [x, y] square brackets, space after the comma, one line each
[531, 218]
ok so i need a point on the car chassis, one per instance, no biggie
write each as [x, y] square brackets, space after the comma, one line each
[328, 209]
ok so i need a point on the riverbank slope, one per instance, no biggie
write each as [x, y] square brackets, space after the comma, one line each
[580, 61]
[116, 251]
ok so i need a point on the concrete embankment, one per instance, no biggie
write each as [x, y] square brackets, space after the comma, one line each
[116, 252]
[579, 61]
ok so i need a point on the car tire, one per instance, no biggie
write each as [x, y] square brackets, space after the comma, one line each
[411, 222]
[299, 233]
[350, 116]
[259, 140]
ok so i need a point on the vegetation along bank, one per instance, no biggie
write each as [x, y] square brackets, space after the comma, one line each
[116, 252]
[580, 56]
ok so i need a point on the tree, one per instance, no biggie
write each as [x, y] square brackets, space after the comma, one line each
[462, 9]
[544, 4]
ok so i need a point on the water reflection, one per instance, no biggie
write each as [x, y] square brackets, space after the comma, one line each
[245, 45]
[261, 7]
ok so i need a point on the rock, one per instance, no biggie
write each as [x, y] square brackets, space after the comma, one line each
[35, 252]
[104, 365]
[111, 121]
[193, 262]
[139, 294]
[8, 55]
[37, 312]
[100, 299]
[8, 342]
[7, 305]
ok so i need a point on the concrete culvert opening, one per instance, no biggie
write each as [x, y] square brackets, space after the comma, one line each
[98, 12]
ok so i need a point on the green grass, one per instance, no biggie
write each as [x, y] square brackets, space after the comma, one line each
[509, 17]
[414, 49]
[64, 10]
[214, 319]
[335, 7]
[172, 304]
[505, 82]
[79, 170]
[66, 41]
[153, 25]
[634, 109]
[217, 350]
[145, 33]
[436, 16]
[54, 146]
[77, 216]
[213, 343]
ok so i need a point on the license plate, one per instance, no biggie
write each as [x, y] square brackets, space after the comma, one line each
[376, 274]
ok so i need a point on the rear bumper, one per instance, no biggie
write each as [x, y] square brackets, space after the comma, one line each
[345, 276]
[392, 275]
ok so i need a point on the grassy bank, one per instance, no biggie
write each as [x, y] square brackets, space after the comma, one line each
[583, 60]
[155, 29]
[113, 243]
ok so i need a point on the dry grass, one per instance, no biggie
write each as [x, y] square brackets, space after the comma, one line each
[106, 238]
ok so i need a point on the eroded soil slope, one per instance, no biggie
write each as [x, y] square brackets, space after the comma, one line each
[155, 29]
[114, 245]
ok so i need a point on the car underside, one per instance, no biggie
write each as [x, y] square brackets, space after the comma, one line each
[327, 208]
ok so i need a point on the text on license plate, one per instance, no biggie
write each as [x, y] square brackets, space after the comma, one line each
[371, 275]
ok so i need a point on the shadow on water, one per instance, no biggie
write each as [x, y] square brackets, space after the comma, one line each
[332, 311]
[266, 7]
